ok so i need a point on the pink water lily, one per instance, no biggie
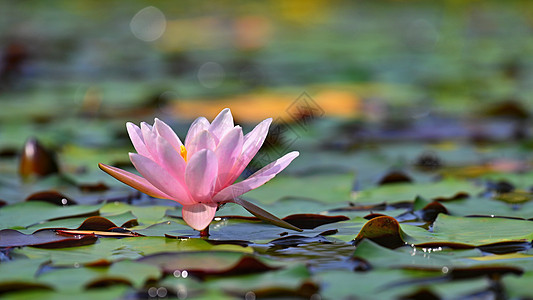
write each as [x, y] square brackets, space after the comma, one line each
[200, 173]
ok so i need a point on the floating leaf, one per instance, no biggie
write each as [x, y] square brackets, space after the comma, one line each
[36, 160]
[383, 230]
[408, 192]
[125, 248]
[112, 292]
[78, 279]
[46, 239]
[311, 221]
[207, 263]
[126, 220]
[518, 287]
[395, 177]
[293, 281]
[53, 197]
[481, 231]
[324, 188]
[516, 197]
[21, 215]
[19, 275]
[146, 215]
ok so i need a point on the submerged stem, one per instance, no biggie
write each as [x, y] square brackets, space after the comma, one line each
[205, 232]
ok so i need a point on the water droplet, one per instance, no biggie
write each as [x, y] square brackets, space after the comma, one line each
[184, 273]
[76, 265]
[152, 292]
[249, 295]
[211, 75]
[445, 270]
[64, 201]
[161, 292]
[177, 273]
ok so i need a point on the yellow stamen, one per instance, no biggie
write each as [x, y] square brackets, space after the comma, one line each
[183, 152]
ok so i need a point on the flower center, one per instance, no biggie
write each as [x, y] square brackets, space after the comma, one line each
[183, 153]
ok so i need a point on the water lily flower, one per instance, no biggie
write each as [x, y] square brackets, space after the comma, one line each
[200, 173]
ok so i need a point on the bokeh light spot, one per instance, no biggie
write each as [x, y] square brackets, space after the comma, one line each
[148, 24]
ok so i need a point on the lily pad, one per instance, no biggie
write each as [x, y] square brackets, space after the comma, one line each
[126, 219]
[47, 239]
[20, 275]
[112, 292]
[122, 272]
[25, 214]
[326, 188]
[407, 192]
[126, 248]
[207, 263]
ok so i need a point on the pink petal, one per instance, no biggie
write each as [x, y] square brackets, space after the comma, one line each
[170, 159]
[199, 215]
[203, 140]
[197, 126]
[161, 179]
[137, 139]
[251, 144]
[149, 138]
[167, 133]
[227, 152]
[201, 174]
[222, 123]
[257, 179]
[135, 181]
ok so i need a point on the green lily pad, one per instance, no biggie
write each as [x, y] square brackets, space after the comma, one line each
[126, 248]
[407, 192]
[406, 257]
[480, 231]
[25, 214]
[326, 188]
[112, 292]
[146, 215]
[465, 231]
[20, 275]
[282, 282]
[165, 228]
[80, 278]
[73, 223]
[393, 284]
[518, 287]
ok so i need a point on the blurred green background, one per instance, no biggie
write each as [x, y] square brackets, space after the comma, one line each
[370, 92]
[72, 72]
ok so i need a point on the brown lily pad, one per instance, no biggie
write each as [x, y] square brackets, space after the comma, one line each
[53, 197]
[99, 226]
[383, 230]
[457, 196]
[430, 212]
[97, 223]
[311, 221]
[302, 221]
[36, 160]
[395, 177]
[93, 187]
